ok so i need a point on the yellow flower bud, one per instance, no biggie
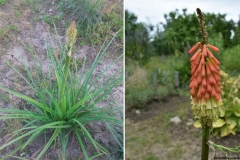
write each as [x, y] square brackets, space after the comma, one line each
[71, 34]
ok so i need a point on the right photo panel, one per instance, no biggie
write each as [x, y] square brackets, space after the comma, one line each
[182, 80]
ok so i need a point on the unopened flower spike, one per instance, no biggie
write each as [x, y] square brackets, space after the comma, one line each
[205, 79]
[71, 35]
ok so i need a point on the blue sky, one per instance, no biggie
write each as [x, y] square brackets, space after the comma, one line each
[152, 11]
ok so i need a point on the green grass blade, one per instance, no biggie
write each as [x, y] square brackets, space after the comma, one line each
[39, 106]
[54, 136]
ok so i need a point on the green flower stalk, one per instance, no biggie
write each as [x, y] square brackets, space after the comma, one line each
[205, 84]
[71, 34]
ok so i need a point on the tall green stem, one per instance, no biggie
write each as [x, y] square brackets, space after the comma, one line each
[205, 147]
[63, 84]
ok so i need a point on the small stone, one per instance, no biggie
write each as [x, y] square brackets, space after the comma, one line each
[137, 111]
[189, 123]
[175, 119]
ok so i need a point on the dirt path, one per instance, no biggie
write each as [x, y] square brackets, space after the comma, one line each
[151, 135]
[23, 33]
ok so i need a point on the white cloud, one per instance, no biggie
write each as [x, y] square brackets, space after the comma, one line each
[154, 10]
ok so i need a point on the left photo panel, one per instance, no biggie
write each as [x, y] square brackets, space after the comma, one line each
[61, 85]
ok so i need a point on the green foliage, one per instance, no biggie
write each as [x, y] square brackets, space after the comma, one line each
[63, 105]
[230, 60]
[137, 39]
[181, 30]
[2, 2]
[97, 19]
[181, 64]
[231, 106]
[148, 83]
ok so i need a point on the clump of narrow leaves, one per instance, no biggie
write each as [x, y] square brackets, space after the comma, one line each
[65, 105]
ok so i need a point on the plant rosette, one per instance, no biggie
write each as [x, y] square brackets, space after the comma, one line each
[64, 106]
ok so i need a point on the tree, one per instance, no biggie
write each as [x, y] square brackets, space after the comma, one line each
[181, 30]
[137, 39]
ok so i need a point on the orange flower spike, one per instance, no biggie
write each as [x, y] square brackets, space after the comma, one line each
[194, 47]
[196, 55]
[204, 52]
[215, 49]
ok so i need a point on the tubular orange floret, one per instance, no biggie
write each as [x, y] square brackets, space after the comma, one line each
[214, 94]
[211, 67]
[209, 88]
[216, 61]
[210, 53]
[215, 49]
[202, 60]
[199, 68]
[195, 83]
[203, 73]
[199, 79]
[194, 47]
[206, 96]
[214, 64]
[204, 52]
[203, 90]
[191, 84]
[216, 77]
[204, 82]
[207, 69]
[199, 94]
[193, 92]
[197, 59]
[218, 89]
[195, 55]
[211, 80]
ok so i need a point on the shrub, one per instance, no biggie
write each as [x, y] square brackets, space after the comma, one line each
[230, 60]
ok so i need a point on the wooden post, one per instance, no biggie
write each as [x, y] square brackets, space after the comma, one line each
[176, 79]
